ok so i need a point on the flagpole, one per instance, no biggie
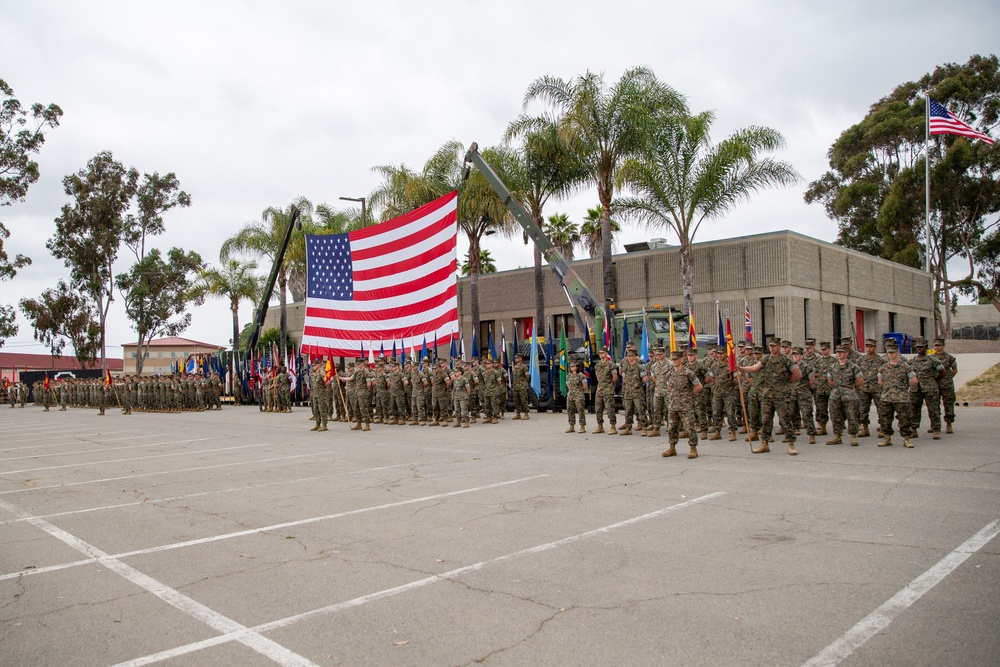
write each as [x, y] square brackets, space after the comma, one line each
[927, 182]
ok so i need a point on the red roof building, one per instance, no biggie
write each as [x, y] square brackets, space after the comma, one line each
[12, 363]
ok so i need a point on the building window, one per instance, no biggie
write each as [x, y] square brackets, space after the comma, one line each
[173, 354]
[565, 323]
[767, 323]
[133, 355]
[923, 327]
[892, 321]
[485, 328]
[805, 318]
[838, 322]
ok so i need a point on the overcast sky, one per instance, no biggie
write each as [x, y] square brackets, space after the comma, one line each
[252, 104]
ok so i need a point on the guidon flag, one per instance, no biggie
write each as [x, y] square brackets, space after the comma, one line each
[392, 280]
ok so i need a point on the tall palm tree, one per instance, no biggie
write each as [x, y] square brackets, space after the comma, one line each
[543, 167]
[263, 239]
[603, 127]
[681, 178]
[590, 232]
[236, 281]
[563, 233]
[486, 263]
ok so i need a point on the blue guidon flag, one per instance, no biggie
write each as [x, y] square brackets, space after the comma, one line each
[394, 280]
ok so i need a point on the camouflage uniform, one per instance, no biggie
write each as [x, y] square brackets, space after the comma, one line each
[363, 379]
[775, 378]
[604, 399]
[929, 370]
[397, 394]
[946, 385]
[822, 368]
[521, 379]
[722, 397]
[418, 402]
[659, 409]
[870, 391]
[633, 392]
[681, 383]
[894, 380]
[802, 396]
[462, 391]
[317, 394]
[576, 387]
[844, 398]
[703, 400]
[440, 398]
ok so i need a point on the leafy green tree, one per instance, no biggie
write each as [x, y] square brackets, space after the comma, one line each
[155, 196]
[603, 126]
[62, 314]
[157, 293]
[875, 187]
[486, 263]
[563, 233]
[590, 232]
[263, 239]
[681, 179]
[89, 231]
[236, 281]
[18, 143]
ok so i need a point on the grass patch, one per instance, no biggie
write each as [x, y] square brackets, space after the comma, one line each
[983, 388]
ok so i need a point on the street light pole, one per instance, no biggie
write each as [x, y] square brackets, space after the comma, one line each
[364, 217]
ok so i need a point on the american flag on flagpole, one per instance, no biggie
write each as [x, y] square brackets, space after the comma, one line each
[394, 279]
[942, 121]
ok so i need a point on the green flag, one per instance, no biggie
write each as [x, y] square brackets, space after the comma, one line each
[563, 360]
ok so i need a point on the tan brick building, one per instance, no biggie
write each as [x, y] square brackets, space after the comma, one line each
[163, 353]
[796, 286]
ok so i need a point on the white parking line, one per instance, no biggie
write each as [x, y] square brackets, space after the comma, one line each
[879, 619]
[176, 599]
[413, 585]
[255, 531]
[90, 451]
[155, 501]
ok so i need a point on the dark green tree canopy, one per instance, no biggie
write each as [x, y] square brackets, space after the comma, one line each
[62, 314]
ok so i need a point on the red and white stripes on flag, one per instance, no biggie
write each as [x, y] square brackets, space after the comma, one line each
[942, 121]
[392, 280]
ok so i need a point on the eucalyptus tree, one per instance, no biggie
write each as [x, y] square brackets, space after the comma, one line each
[680, 179]
[236, 281]
[603, 126]
[590, 232]
[263, 238]
[89, 231]
[19, 140]
[62, 313]
[563, 233]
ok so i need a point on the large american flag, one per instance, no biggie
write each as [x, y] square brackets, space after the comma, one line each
[942, 121]
[393, 280]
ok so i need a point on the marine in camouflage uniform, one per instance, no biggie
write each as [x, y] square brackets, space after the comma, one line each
[440, 395]
[397, 394]
[723, 404]
[895, 378]
[822, 367]
[682, 387]
[461, 390]
[802, 394]
[870, 392]
[659, 409]
[929, 371]
[703, 399]
[946, 385]
[844, 378]
[633, 392]
[363, 380]
[477, 390]
[777, 374]
[521, 375]
[604, 399]
[576, 402]
[418, 403]
[317, 394]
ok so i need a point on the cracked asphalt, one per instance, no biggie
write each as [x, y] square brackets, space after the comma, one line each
[242, 538]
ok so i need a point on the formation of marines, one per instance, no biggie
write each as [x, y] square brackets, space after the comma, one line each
[399, 392]
[157, 393]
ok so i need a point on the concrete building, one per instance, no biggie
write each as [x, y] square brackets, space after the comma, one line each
[163, 353]
[12, 364]
[796, 287]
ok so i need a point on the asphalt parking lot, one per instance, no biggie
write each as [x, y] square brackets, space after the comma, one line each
[241, 538]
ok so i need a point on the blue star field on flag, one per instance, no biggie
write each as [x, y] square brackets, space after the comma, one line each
[331, 274]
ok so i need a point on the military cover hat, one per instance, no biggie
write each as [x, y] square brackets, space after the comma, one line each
[632, 352]
[810, 342]
[824, 345]
[871, 341]
[774, 342]
[676, 354]
[891, 346]
[691, 350]
[758, 349]
[741, 343]
[796, 350]
[843, 348]
[939, 341]
[786, 343]
[920, 342]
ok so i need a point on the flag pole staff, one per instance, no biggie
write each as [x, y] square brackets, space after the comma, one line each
[927, 182]
[343, 399]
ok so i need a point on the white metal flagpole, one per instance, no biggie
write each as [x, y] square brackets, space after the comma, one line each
[927, 180]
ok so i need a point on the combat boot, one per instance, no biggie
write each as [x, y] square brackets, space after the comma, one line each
[599, 429]
[854, 441]
[762, 448]
[315, 427]
[356, 427]
[458, 424]
[907, 443]
[936, 436]
[704, 435]
[654, 432]
[863, 433]
[753, 436]
[421, 423]
[947, 428]
[322, 428]
[571, 428]
[693, 454]
[812, 439]
[494, 420]
[835, 440]
[445, 422]
[612, 430]
[643, 431]
[516, 417]
[821, 429]
[886, 441]
[672, 451]
[716, 435]
[732, 435]
[465, 425]
[791, 449]
[524, 416]
[627, 430]
[366, 428]
[582, 429]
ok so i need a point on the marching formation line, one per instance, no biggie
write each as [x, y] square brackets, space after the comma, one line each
[237, 635]
[879, 619]
[253, 531]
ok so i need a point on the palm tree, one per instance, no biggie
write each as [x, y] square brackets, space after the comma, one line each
[263, 239]
[563, 233]
[486, 263]
[236, 281]
[590, 232]
[603, 127]
[544, 167]
[681, 179]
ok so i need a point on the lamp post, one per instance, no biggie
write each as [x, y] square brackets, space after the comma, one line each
[364, 218]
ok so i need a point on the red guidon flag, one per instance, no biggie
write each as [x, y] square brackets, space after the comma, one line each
[392, 280]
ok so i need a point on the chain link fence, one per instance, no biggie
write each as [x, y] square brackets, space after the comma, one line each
[984, 331]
